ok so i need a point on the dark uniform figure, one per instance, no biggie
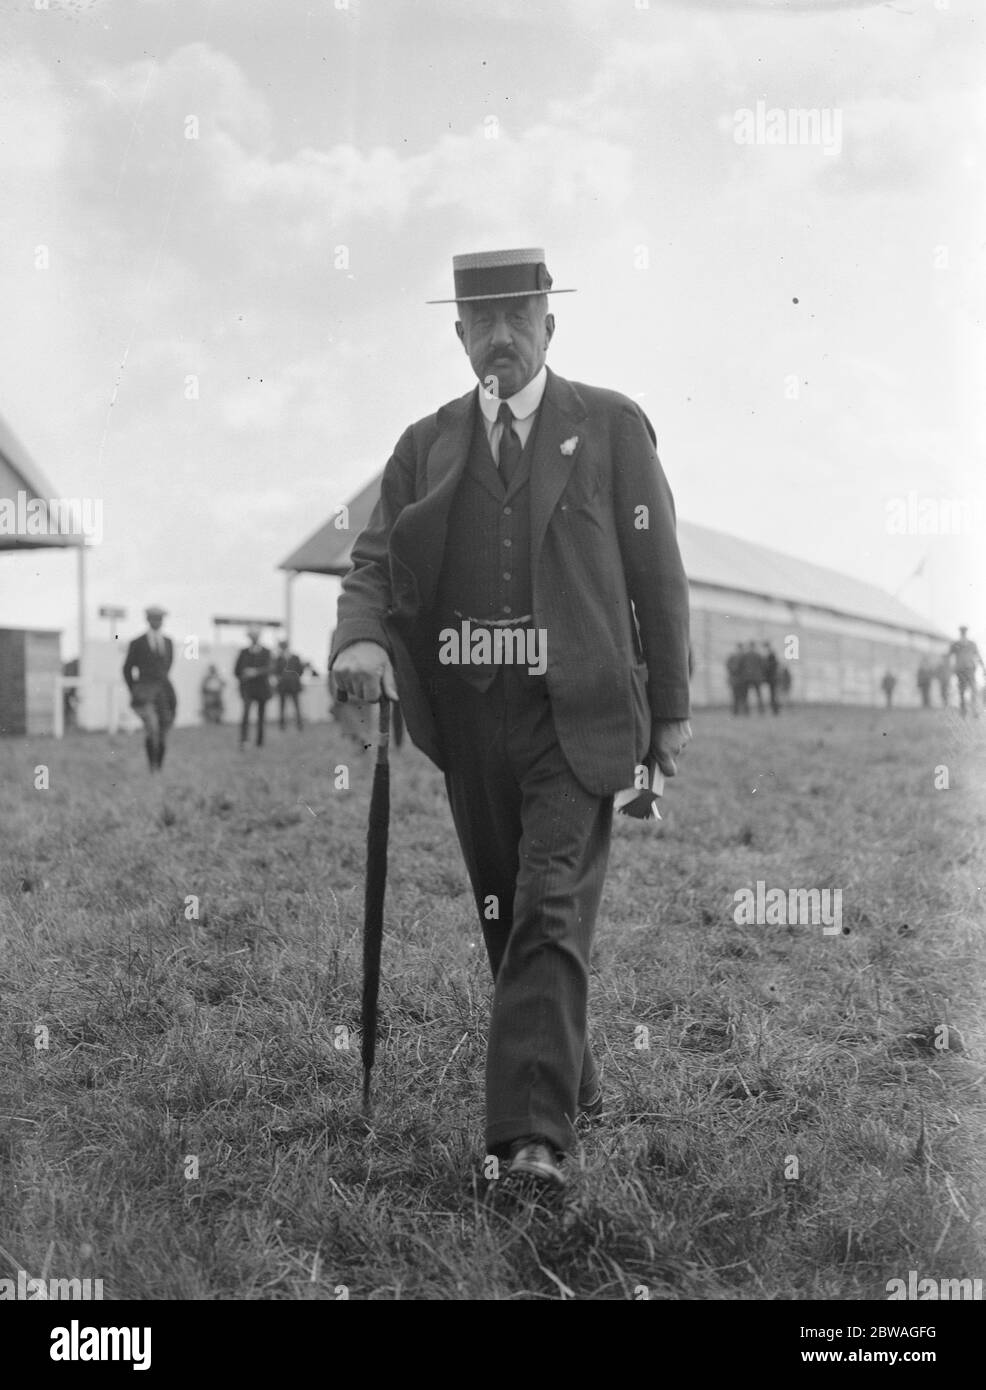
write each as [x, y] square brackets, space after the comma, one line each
[252, 670]
[751, 675]
[925, 675]
[965, 658]
[152, 696]
[888, 685]
[288, 670]
[733, 668]
[771, 672]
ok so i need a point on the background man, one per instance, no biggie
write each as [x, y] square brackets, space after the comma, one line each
[288, 670]
[212, 696]
[943, 675]
[771, 671]
[965, 658]
[925, 675]
[152, 696]
[536, 504]
[733, 668]
[252, 670]
[751, 674]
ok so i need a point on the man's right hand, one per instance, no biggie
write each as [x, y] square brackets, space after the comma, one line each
[361, 670]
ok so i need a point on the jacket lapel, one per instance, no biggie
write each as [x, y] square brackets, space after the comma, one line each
[562, 411]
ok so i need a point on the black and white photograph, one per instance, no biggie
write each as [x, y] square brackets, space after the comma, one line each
[492, 634]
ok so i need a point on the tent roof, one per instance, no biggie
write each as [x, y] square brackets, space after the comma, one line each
[19, 473]
[712, 559]
[717, 560]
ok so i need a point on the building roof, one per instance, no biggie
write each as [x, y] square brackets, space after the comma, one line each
[19, 473]
[712, 559]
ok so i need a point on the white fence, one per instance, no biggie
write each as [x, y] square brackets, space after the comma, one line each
[103, 701]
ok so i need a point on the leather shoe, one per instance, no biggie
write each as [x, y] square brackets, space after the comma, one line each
[537, 1161]
[591, 1110]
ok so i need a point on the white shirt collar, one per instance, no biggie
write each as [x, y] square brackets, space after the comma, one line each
[523, 404]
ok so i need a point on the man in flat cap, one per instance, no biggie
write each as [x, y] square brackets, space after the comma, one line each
[152, 696]
[519, 587]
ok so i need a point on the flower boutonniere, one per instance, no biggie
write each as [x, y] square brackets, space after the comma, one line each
[570, 445]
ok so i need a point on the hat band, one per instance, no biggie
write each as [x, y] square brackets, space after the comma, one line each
[488, 281]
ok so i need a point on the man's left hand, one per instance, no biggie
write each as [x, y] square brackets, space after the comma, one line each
[669, 737]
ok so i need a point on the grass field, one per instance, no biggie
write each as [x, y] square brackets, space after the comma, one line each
[771, 1049]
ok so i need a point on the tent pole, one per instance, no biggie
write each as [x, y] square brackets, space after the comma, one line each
[289, 578]
[82, 605]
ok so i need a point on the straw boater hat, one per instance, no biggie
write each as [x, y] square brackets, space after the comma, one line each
[515, 274]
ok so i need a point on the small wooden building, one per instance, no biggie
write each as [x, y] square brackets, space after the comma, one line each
[30, 663]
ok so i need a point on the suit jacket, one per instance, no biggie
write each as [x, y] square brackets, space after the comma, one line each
[288, 671]
[607, 580]
[254, 687]
[146, 673]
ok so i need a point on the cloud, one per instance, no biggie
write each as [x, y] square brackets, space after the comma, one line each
[34, 136]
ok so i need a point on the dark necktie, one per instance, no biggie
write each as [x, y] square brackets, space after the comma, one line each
[510, 446]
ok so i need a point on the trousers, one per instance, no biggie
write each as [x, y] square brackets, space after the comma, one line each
[535, 845]
[154, 707]
[283, 697]
[261, 704]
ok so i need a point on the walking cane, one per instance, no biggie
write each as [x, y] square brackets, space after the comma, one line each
[376, 887]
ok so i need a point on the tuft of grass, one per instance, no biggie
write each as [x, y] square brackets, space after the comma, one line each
[789, 1115]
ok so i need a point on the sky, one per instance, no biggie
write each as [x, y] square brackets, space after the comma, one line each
[220, 221]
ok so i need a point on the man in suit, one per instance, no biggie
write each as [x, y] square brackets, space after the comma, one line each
[152, 696]
[519, 585]
[771, 670]
[737, 689]
[252, 670]
[751, 671]
[965, 657]
[288, 670]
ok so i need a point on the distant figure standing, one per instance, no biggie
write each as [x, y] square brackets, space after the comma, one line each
[943, 675]
[252, 670]
[965, 658]
[751, 672]
[784, 682]
[288, 671]
[213, 686]
[152, 696]
[926, 674]
[888, 685]
[733, 676]
[771, 671]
